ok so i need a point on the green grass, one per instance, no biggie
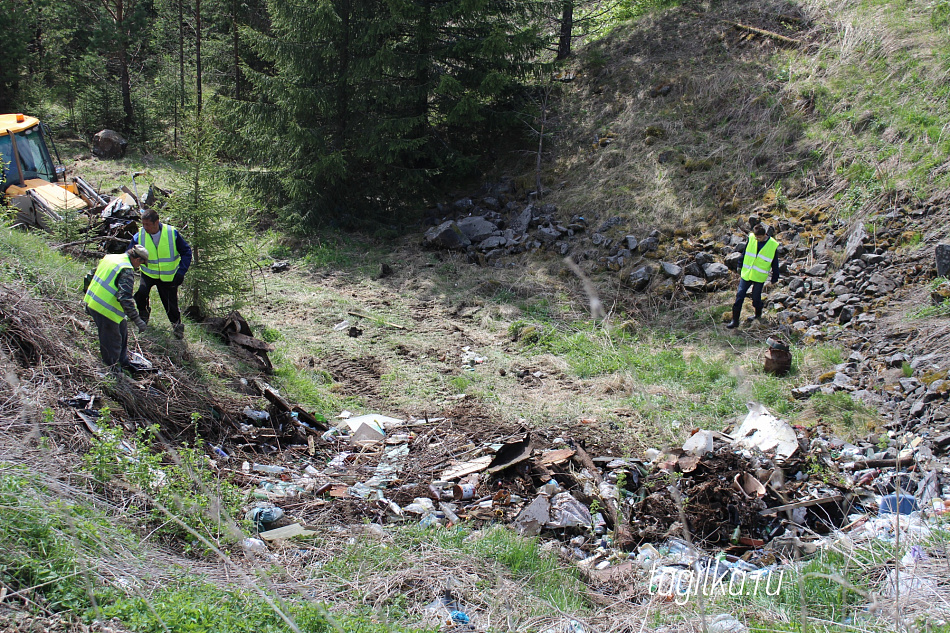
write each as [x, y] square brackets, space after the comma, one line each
[864, 91]
[41, 535]
[549, 586]
[311, 389]
[679, 378]
[26, 258]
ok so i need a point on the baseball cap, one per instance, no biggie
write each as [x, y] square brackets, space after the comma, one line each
[140, 251]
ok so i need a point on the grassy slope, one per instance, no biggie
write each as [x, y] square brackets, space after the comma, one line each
[856, 113]
[851, 118]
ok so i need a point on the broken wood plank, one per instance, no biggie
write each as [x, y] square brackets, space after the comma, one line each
[802, 504]
[510, 454]
[558, 456]
[288, 531]
[770, 34]
[310, 419]
[249, 341]
[466, 468]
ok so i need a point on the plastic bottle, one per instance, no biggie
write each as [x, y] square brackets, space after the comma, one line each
[269, 468]
[220, 452]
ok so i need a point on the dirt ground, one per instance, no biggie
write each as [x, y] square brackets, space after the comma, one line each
[419, 330]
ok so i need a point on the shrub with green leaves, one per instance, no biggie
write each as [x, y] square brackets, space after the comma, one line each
[181, 492]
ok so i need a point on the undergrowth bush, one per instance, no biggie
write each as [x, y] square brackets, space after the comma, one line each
[178, 486]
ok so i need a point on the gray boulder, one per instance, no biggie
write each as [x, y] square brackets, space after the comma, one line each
[476, 228]
[670, 269]
[943, 260]
[109, 145]
[548, 235]
[693, 283]
[733, 261]
[447, 235]
[855, 245]
[649, 244]
[715, 270]
[495, 241]
[521, 222]
[884, 285]
[640, 278]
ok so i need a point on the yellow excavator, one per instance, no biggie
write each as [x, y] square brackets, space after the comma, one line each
[30, 179]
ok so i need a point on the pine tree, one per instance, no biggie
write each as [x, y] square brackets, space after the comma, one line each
[214, 221]
[367, 101]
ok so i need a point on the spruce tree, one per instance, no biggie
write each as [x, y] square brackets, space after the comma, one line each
[214, 221]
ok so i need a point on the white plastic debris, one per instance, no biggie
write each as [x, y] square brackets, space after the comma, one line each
[253, 546]
[764, 431]
[725, 623]
[699, 443]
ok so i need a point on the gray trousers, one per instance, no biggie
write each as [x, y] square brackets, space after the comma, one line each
[113, 339]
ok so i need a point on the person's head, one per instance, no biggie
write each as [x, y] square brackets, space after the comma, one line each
[138, 255]
[150, 221]
[760, 233]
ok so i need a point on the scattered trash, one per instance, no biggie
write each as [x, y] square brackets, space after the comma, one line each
[254, 545]
[286, 532]
[764, 431]
[262, 515]
[725, 623]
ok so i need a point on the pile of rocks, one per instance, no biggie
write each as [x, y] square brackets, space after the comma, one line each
[837, 280]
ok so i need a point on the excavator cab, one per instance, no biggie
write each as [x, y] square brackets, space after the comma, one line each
[30, 179]
[24, 152]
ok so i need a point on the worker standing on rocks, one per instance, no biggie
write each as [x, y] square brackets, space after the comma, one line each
[761, 256]
[110, 304]
[169, 257]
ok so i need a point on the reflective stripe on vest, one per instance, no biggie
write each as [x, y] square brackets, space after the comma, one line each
[163, 259]
[103, 288]
[756, 266]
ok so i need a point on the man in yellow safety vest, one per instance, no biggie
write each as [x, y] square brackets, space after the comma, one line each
[110, 304]
[761, 258]
[169, 257]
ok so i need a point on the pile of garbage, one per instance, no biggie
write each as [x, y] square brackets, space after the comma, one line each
[112, 221]
[737, 492]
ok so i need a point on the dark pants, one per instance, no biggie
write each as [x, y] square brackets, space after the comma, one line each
[167, 292]
[113, 339]
[744, 286]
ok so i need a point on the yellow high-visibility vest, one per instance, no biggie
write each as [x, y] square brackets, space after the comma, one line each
[756, 266]
[103, 289]
[163, 259]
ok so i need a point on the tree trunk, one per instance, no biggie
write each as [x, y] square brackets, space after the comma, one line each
[180, 110]
[126, 82]
[567, 30]
[235, 51]
[424, 37]
[342, 91]
[198, 55]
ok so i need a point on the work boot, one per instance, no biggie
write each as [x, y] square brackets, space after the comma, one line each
[735, 319]
[754, 317]
[179, 330]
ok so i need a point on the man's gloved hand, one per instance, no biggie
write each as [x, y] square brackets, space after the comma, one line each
[141, 325]
[178, 280]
